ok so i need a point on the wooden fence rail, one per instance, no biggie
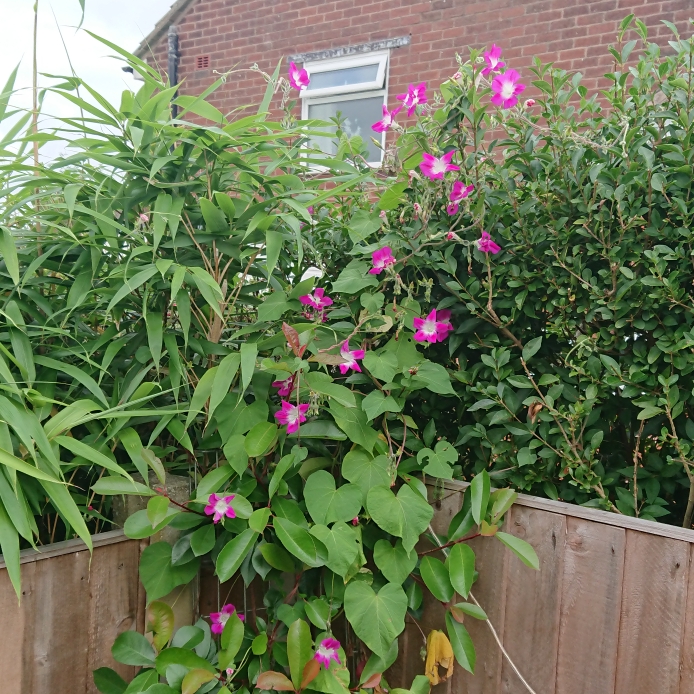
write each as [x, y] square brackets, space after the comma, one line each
[611, 610]
[70, 613]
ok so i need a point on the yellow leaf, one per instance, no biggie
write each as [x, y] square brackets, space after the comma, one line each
[439, 653]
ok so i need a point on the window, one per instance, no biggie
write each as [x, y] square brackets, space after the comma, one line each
[355, 87]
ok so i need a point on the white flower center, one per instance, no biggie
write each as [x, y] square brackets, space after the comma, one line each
[224, 618]
[439, 166]
[325, 652]
[508, 89]
[293, 415]
[221, 507]
[429, 327]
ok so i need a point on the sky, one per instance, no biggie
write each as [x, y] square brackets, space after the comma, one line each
[124, 22]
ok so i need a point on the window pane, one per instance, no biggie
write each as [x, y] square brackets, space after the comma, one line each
[343, 78]
[358, 115]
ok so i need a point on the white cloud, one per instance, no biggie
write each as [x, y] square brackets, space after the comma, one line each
[123, 22]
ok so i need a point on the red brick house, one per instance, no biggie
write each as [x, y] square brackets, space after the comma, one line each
[362, 53]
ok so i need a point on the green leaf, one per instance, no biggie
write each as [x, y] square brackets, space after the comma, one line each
[80, 376]
[259, 519]
[463, 648]
[181, 656]
[79, 448]
[299, 542]
[157, 509]
[531, 348]
[232, 636]
[273, 307]
[318, 612]
[9, 548]
[259, 644]
[354, 423]
[202, 540]
[226, 373]
[18, 464]
[158, 575]
[8, 253]
[194, 679]
[131, 285]
[342, 544]
[160, 621]
[326, 504]
[322, 383]
[202, 393]
[131, 648]
[214, 218]
[376, 403]
[110, 486]
[435, 377]
[362, 225]
[406, 515]
[502, 500]
[461, 568]
[249, 352]
[277, 557]
[394, 562]
[521, 549]
[471, 609]
[366, 472]
[213, 481]
[354, 278]
[260, 439]
[108, 681]
[479, 492]
[435, 576]
[377, 618]
[383, 366]
[233, 553]
[299, 647]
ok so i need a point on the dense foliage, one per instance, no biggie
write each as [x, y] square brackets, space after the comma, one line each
[317, 346]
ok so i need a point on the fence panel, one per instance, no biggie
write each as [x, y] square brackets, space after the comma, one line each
[71, 611]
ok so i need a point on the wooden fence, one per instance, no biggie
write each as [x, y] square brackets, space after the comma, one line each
[611, 610]
[71, 611]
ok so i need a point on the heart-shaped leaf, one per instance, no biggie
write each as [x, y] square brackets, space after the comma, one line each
[394, 562]
[326, 504]
[365, 471]
[377, 618]
[342, 545]
[406, 515]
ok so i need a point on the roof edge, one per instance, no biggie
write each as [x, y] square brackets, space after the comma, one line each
[175, 12]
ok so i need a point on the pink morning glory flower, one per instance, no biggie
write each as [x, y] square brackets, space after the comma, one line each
[219, 619]
[486, 245]
[298, 78]
[460, 191]
[350, 358]
[317, 299]
[452, 209]
[493, 62]
[435, 167]
[430, 329]
[285, 387]
[328, 650]
[506, 89]
[415, 95]
[220, 507]
[387, 120]
[291, 415]
[382, 258]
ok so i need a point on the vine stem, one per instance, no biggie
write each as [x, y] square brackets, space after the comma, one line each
[489, 624]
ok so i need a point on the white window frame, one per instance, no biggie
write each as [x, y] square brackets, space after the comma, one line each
[350, 92]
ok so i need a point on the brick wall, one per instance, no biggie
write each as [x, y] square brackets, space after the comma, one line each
[572, 33]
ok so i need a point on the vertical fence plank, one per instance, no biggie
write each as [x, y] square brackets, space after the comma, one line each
[491, 560]
[687, 666]
[113, 605]
[653, 603]
[590, 607]
[56, 644]
[15, 619]
[531, 623]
